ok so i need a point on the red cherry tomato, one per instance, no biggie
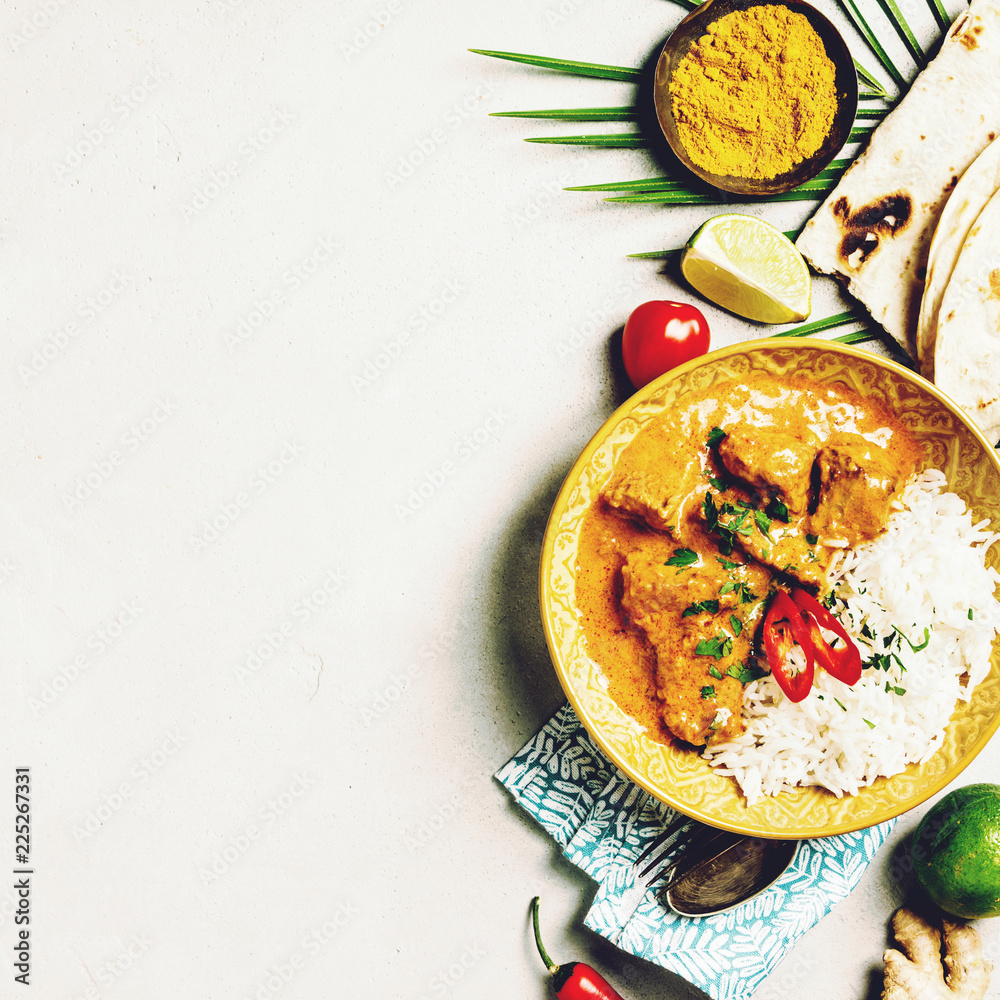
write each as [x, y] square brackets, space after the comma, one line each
[659, 336]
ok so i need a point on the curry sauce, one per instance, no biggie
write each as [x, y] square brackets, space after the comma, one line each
[735, 491]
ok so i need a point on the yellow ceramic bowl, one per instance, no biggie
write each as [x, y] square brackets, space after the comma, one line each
[676, 774]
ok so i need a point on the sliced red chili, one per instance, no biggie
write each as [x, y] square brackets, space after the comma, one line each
[783, 630]
[844, 662]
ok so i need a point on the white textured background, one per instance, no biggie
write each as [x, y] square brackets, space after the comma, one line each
[299, 344]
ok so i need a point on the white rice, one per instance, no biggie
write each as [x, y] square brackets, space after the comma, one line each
[925, 576]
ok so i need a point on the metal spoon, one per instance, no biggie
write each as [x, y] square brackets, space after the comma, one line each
[720, 873]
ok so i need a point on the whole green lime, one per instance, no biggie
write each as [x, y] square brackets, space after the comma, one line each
[956, 852]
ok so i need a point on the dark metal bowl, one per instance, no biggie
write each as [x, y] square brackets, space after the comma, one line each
[692, 28]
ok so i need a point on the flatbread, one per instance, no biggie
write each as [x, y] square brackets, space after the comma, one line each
[875, 228]
[974, 189]
[967, 351]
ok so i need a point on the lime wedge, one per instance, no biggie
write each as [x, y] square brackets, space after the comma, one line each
[750, 268]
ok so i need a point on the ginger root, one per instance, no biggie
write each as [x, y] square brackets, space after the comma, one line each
[921, 970]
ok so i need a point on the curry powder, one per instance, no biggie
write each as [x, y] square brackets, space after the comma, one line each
[755, 95]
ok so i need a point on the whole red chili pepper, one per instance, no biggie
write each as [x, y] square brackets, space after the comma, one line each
[574, 980]
[783, 628]
[844, 663]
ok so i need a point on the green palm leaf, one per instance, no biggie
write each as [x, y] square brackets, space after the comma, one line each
[940, 14]
[857, 19]
[610, 140]
[625, 114]
[895, 15]
[877, 90]
[600, 70]
[856, 315]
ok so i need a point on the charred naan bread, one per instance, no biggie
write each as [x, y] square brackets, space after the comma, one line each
[967, 347]
[961, 210]
[875, 229]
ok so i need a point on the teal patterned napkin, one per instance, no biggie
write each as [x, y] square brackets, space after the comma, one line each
[603, 822]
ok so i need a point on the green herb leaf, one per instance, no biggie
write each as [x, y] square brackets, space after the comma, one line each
[682, 558]
[717, 648]
[870, 725]
[763, 523]
[923, 645]
[777, 510]
[715, 436]
[736, 623]
[812, 539]
[711, 512]
[708, 691]
[712, 607]
[713, 671]
[745, 673]
[970, 614]
[727, 564]
[727, 587]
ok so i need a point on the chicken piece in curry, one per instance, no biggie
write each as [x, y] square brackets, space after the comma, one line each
[727, 495]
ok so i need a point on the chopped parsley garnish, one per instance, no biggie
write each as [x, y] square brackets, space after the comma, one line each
[778, 511]
[763, 523]
[682, 558]
[745, 594]
[713, 671]
[970, 614]
[895, 690]
[708, 691]
[870, 725]
[812, 539]
[712, 607]
[727, 564]
[923, 645]
[745, 673]
[715, 437]
[736, 623]
[711, 512]
[720, 484]
[717, 648]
